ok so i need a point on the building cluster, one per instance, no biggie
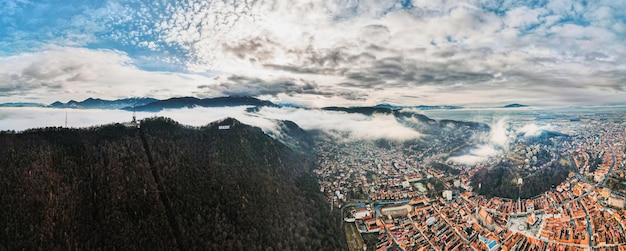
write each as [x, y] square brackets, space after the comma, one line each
[471, 223]
[596, 154]
[579, 214]
[363, 171]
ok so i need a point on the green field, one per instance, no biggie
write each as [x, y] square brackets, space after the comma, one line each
[355, 241]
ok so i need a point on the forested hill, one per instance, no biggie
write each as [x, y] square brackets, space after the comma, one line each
[161, 187]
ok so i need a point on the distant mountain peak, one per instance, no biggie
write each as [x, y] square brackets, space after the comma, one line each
[388, 106]
[365, 110]
[189, 102]
[514, 105]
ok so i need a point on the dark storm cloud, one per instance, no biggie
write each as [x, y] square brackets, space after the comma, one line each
[256, 87]
[248, 86]
[593, 56]
[304, 70]
[617, 77]
[400, 72]
[43, 75]
[254, 49]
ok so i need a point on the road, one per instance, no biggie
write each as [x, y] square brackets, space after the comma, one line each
[606, 142]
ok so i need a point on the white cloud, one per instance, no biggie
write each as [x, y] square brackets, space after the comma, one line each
[449, 48]
[499, 134]
[523, 17]
[25, 118]
[63, 73]
[356, 126]
[478, 155]
[533, 130]
[468, 160]
[495, 143]
[326, 38]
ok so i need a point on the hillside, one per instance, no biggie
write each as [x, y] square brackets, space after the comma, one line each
[163, 187]
[501, 180]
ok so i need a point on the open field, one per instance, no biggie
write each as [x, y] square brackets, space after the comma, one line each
[355, 241]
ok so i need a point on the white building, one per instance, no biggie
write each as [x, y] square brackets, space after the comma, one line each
[447, 194]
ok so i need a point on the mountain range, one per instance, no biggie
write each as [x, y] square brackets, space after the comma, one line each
[96, 103]
[156, 105]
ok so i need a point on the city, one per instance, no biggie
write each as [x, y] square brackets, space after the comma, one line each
[400, 125]
[397, 199]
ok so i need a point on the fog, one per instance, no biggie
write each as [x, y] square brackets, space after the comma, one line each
[533, 130]
[20, 119]
[356, 126]
[496, 143]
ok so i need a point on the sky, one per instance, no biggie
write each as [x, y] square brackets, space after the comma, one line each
[316, 53]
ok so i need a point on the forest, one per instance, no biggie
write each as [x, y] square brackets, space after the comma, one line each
[161, 187]
[501, 180]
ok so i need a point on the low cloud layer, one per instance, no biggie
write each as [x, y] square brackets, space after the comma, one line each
[489, 146]
[358, 126]
[477, 155]
[354, 126]
[533, 130]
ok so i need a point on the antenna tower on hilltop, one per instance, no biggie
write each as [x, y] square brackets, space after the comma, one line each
[520, 183]
[134, 112]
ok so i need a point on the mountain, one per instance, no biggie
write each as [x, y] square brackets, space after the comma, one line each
[500, 180]
[155, 105]
[190, 102]
[22, 104]
[96, 103]
[386, 108]
[296, 138]
[514, 106]
[389, 106]
[164, 186]
[365, 110]
[424, 124]
[420, 107]
[437, 107]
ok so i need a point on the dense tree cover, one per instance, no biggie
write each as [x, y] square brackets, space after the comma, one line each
[445, 168]
[501, 180]
[595, 160]
[202, 189]
[616, 183]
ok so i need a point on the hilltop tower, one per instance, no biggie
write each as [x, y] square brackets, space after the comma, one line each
[134, 112]
[520, 182]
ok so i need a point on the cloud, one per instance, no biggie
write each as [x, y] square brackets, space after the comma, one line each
[358, 126]
[383, 45]
[247, 86]
[543, 52]
[499, 134]
[533, 130]
[63, 73]
[25, 118]
[354, 126]
[476, 156]
[487, 146]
